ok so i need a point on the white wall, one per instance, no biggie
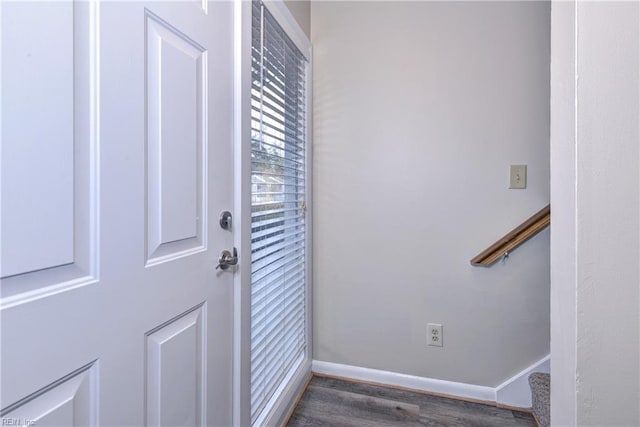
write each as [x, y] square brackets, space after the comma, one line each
[563, 202]
[602, 213]
[419, 108]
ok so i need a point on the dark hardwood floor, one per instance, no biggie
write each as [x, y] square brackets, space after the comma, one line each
[334, 402]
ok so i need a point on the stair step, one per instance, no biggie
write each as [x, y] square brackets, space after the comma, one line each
[540, 397]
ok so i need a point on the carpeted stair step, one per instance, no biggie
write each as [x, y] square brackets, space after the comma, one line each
[540, 390]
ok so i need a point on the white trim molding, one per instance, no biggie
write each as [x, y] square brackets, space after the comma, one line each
[467, 391]
[285, 397]
[242, 214]
[513, 393]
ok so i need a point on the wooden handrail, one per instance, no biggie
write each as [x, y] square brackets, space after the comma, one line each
[515, 238]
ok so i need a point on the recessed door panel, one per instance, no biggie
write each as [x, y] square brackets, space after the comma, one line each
[70, 401]
[37, 220]
[175, 371]
[48, 221]
[176, 90]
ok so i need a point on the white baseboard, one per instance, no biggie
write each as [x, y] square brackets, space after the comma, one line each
[467, 391]
[292, 385]
[513, 392]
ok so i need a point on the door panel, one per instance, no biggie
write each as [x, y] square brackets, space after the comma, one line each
[37, 241]
[176, 77]
[176, 371]
[71, 401]
[48, 219]
[110, 192]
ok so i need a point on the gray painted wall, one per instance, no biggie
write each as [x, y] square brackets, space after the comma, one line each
[595, 184]
[301, 10]
[419, 108]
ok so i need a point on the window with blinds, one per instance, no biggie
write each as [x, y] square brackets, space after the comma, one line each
[278, 230]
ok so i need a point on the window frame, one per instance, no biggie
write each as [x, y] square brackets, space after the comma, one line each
[276, 412]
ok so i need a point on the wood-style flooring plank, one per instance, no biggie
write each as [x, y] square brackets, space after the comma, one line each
[339, 407]
[336, 402]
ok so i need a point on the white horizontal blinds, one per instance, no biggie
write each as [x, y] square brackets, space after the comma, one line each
[278, 133]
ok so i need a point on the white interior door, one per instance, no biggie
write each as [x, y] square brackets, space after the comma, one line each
[116, 161]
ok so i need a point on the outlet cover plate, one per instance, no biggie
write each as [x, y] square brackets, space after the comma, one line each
[434, 334]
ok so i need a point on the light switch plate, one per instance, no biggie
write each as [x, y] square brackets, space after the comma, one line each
[518, 176]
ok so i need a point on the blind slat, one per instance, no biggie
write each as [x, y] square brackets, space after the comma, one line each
[271, 221]
[258, 213]
[276, 159]
[286, 150]
[270, 257]
[260, 163]
[257, 245]
[265, 334]
[278, 230]
[276, 289]
[288, 263]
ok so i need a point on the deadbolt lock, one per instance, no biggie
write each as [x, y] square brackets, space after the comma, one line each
[225, 220]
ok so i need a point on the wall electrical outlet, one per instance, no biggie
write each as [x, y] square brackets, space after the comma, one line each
[434, 334]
